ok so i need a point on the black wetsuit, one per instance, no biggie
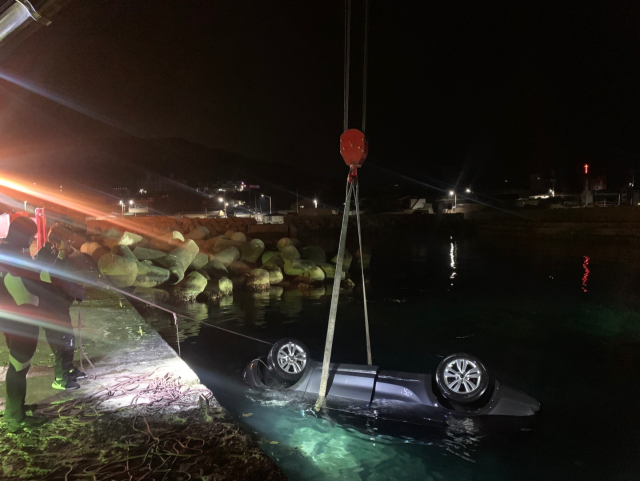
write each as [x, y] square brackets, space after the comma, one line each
[57, 302]
[20, 319]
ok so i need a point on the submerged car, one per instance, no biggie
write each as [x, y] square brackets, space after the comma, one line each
[461, 386]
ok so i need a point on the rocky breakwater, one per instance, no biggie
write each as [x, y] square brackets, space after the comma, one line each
[198, 264]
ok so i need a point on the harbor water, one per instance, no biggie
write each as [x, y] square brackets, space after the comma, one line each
[558, 320]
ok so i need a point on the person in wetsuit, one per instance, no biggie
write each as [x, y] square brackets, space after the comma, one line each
[19, 317]
[57, 302]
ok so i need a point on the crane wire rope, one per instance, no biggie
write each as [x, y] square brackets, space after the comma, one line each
[347, 62]
[351, 189]
[365, 68]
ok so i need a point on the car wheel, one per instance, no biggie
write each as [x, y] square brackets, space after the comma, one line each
[288, 359]
[462, 378]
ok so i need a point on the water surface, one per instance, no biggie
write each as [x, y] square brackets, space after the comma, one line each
[558, 320]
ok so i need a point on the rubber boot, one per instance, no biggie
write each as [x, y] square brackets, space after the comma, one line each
[63, 350]
[16, 383]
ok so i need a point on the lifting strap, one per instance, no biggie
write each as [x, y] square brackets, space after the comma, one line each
[352, 189]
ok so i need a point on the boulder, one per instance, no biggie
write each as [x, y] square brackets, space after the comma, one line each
[186, 253]
[258, 281]
[229, 234]
[199, 261]
[216, 290]
[239, 237]
[90, 247]
[238, 268]
[223, 243]
[251, 251]
[315, 254]
[119, 270]
[204, 274]
[290, 253]
[176, 269]
[166, 242]
[195, 234]
[98, 253]
[346, 263]
[227, 256]
[216, 269]
[156, 296]
[188, 289]
[125, 239]
[284, 242]
[143, 254]
[225, 286]
[315, 274]
[112, 232]
[150, 275]
[267, 255]
[295, 267]
[129, 239]
[347, 284]
[204, 229]
[330, 271]
[275, 274]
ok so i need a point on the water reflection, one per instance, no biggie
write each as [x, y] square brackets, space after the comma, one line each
[453, 257]
[585, 275]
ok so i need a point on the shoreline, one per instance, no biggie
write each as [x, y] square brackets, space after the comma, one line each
[146, 404]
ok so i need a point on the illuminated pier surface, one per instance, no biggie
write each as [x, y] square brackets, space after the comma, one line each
[145, 412]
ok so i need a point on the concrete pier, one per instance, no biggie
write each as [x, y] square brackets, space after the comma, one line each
[146, 412]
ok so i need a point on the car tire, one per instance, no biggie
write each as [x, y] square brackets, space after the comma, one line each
[288, 359]
[462, 378]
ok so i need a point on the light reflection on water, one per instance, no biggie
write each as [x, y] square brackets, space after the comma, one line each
[522, 313]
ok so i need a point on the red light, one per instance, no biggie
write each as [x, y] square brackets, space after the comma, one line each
[586, 168]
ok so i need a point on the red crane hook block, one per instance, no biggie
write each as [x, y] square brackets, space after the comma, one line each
[354, 147]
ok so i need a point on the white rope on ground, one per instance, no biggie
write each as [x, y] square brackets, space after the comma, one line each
[322, 393]
[364, 289]
[81, 347]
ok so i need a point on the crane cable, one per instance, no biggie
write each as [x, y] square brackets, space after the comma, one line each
[347, 62]
[352, 189]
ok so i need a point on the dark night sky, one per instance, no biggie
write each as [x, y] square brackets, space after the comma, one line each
[495, 91]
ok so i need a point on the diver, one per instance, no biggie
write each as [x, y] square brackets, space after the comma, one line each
[19, 318]
[56, 302]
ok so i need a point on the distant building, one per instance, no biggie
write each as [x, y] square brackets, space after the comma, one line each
[123, 193]
[224, 186]
[598, 183]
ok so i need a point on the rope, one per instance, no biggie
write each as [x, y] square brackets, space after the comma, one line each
[146, 452]
[364, 290]
[174, 314]
[365, 67]
[322, 393]
[347, 60]
[83, 354]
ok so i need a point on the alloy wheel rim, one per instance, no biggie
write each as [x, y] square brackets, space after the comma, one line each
[462, 376]
[292, 358]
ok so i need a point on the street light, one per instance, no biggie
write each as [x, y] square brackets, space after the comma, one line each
[122, 205]
[225, 209]
[315, 201]
[455, 198]
[269, 197]
[468, 191]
